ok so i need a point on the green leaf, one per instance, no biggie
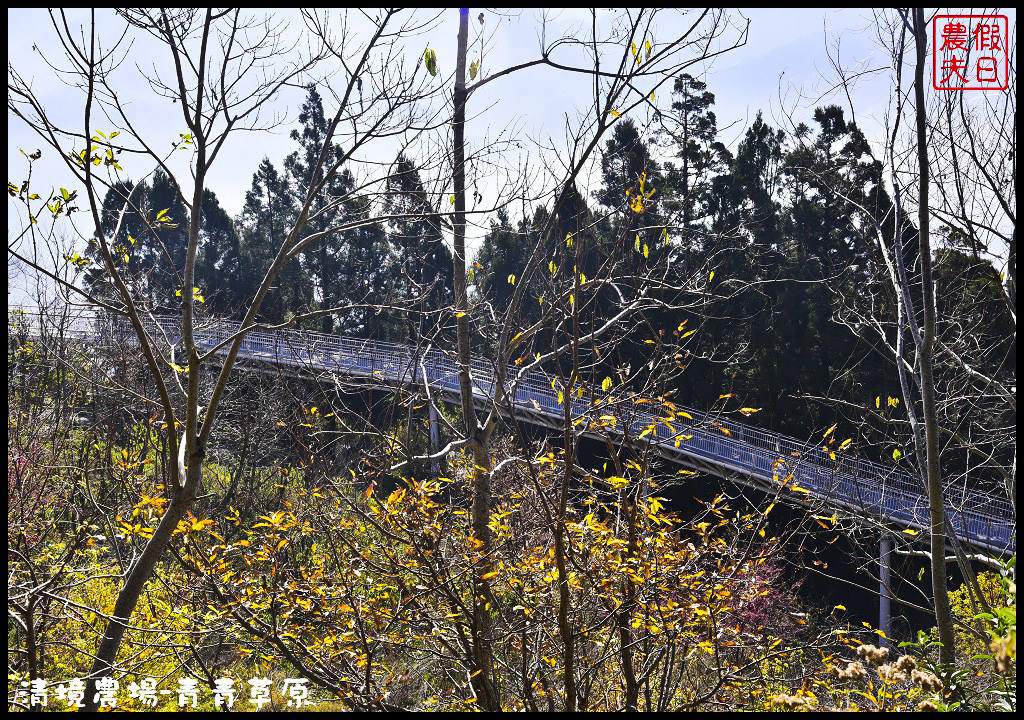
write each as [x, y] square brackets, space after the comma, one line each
[431, 61]
[473, 69]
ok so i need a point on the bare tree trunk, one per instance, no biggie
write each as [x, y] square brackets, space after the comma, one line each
[929, 411]
[129, 595]
[565, 628]
[482, 662]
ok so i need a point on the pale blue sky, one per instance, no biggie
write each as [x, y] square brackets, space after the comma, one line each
[783, 70]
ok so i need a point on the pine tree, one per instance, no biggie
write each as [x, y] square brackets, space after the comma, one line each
[219, 268]
[321, 267]
[422, 276]
[267, 213]
[694, 138]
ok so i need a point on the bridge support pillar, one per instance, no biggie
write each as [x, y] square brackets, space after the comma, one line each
[884, 586]
[435, 434]
[435, 437]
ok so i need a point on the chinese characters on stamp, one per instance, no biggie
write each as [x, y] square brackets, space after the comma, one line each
[970, 52]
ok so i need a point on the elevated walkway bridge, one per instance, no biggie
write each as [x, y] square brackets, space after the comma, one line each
[869, 492]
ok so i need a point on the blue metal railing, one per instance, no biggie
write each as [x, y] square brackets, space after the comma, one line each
[864, 488]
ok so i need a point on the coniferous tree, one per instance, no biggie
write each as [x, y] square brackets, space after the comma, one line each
[363, 271]
[132, 232]
[693, 134]
[169, 241]
[422, 272]
[219, 268]
[147, 244]
[323, 267]
[265, 217]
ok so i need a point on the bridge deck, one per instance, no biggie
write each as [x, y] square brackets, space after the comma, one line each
[865, 489]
